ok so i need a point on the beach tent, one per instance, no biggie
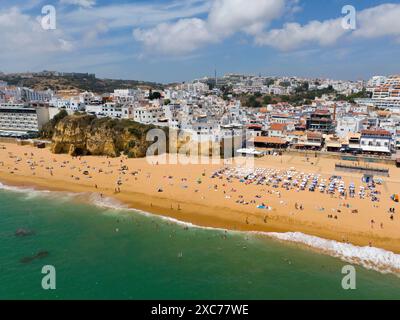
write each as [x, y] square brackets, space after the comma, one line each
[367, 178]
[395, 198]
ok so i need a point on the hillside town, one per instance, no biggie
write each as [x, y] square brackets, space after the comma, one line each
[355, 117]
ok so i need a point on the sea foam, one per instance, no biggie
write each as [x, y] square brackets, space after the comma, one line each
[31, 193]
[369, 257]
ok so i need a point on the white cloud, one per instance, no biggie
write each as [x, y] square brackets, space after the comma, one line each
[294, 35]
[132, 14]
[184, 36]
[24, 42]
[81, 3]
[21, 32]
[383, 20]
[104, 25]
[379, 21]
[225, 17]
[91, 35]
[26, 46]
[229, 16]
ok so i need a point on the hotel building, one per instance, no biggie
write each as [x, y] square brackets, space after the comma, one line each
[21, 120]
[376, 141]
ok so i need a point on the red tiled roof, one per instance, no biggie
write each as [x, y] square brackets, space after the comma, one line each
[269, 140]
[322, 111]
[312, 134]
[297, 133]
[277, 126]
[376, 132]
[280, 115]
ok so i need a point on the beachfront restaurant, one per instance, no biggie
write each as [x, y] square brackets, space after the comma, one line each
[270, 143]
[313, 141]
[333, 143]
[376, 142]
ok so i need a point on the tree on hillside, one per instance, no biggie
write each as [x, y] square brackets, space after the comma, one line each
[154, 95]
[267, 100]
[252, 102]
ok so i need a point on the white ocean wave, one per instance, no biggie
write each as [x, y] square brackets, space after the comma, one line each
[32, 193]
[369, 257]
[105, 202]
[16, 189]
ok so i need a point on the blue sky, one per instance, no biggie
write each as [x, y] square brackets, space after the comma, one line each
[178, 40]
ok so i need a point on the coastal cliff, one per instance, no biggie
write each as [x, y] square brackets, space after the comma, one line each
[89, 135]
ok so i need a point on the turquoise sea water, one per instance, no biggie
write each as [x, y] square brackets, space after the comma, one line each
[115, 254]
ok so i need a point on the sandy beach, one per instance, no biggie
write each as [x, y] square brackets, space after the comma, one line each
[214, 195]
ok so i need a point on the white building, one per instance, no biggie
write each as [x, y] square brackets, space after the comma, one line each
[95, 109]
[347, 124]
[386, 92]
[32, 95]
[376, 141]
[127, 111]
[277, 130]
[149, 115]
[127, 95]
[88, 98]
[12, 105]
[71, 105]
[112, 110]
[21, 119]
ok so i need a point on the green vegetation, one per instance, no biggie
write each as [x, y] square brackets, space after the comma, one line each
[154, 95]
[303, 96]
[88, 83]
[300, 97]
[253, 101]
[352, 97]
[303, 88]
[285, 84]
[48, 129]
[226, 92]
[267, 100]
[270, 82]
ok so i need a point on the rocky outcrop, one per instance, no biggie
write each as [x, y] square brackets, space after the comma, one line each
[88, 135]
